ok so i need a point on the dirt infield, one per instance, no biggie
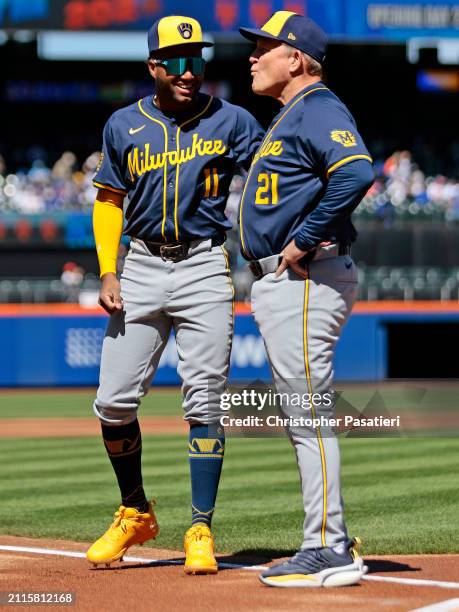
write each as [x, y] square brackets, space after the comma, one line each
[51, 427]
[63, 427]
[162, 585]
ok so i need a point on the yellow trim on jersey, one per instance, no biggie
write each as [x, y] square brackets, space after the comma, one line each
[100, 186]
[346, 160]
[107, 220]
[178, 166]
[318, 433]
[276, 23]
[163, 125]
[169, 31]
[254, 162]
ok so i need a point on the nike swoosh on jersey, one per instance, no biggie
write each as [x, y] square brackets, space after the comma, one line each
[133, 131]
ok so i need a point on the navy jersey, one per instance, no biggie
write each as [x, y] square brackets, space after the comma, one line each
[176, 168]
[312, 136]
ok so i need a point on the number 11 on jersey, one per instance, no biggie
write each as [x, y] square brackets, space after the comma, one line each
[267, 192]
[211, 183]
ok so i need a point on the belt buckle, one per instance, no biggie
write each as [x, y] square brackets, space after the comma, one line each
[256, 269]
[175, 252]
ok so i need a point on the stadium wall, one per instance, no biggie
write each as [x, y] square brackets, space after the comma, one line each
[59, 345]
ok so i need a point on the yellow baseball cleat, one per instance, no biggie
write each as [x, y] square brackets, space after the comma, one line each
[199, 550]
[129, 527]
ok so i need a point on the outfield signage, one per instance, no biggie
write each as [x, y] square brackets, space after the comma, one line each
[401, 20]
[48, 350]
[83, 345]
[220, 15]
[53, 345]
[352, 19]
[65, 350]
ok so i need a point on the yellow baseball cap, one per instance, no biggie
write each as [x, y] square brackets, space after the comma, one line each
[175, 30]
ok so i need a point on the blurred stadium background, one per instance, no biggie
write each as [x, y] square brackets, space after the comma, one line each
[68, 64]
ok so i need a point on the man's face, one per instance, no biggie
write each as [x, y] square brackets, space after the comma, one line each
[269, 67]
[176, 91]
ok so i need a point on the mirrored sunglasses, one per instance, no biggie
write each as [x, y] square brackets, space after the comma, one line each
[177, 66]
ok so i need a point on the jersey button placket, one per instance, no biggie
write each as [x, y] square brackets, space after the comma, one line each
[172, 178]
[170, 184]
[172, 147]
[171, 197]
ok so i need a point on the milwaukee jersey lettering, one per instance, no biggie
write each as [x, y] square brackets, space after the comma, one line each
[176, 169]
[312, 136]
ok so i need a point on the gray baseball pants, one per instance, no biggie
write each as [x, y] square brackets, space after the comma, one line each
[300, 322]
[194, 297]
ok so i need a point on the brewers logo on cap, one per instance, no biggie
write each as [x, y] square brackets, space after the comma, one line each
[186, 30]
[175, 30]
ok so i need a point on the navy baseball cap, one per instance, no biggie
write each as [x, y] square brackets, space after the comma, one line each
[292, 29]
[175, 30]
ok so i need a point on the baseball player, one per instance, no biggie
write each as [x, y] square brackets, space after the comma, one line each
[173, 155]
[309, 174]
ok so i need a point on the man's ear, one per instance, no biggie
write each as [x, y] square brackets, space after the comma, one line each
[296, 61]
[151, 68]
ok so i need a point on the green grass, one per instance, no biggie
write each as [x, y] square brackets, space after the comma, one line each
[399, 396]
[77, 404]
[401, 495]
[393, 398]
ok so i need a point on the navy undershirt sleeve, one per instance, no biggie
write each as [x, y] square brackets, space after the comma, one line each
[345, 188]
[247, 137]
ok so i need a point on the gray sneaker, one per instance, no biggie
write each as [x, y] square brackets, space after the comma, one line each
[317, 567]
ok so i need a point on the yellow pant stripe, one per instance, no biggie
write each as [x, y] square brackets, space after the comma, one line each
[318, 432]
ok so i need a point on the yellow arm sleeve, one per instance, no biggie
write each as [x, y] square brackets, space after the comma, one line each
[107, 220]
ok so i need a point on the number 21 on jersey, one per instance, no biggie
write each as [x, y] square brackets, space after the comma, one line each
[267, 192]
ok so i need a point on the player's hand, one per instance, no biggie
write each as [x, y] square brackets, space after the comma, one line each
[290, 257]
[110, 293]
